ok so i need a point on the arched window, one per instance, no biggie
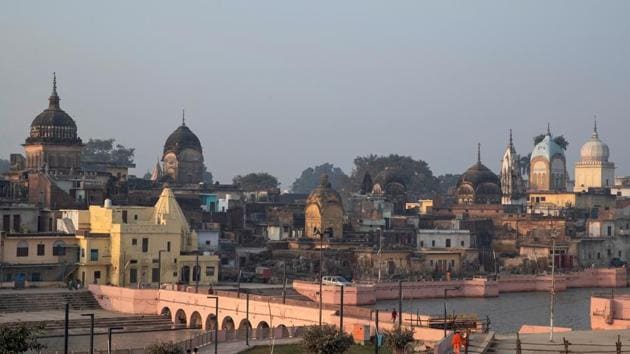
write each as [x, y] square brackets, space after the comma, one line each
[59, 248]
[22, 249]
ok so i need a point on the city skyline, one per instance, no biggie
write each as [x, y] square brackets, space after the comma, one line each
[416, 87]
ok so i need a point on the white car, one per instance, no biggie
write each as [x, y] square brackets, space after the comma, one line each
[335, 280]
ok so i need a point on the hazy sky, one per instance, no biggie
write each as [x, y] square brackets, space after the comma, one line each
[278, 86]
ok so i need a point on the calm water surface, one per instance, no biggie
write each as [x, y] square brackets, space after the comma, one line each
[510, 311]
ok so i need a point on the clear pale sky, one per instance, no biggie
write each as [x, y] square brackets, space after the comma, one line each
[278, 86]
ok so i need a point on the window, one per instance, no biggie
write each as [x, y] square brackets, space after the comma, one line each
[59, 248]
[609, 231]
[168, 246]
[452, 263]
[124, 216]
[462, 243]
[97, 275]
[41, 250]
[598, 255]
[94, 255]
[134, 241]
[133, 275]
[36, 277]
[421, 243]
[209, 271]
[431, 262]
[432, 243]
[448, 242]
[22, 249]
[17, 220]
[6, 223]
[135, 216]
[145, 245]
[155, 275]
[619, 254]
[608, 252]
[133, 261]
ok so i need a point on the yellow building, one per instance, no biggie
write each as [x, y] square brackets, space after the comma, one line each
[324, 210]
[593, 170]
[131, 246]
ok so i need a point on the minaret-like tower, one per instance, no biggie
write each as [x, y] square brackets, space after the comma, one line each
[512, 185]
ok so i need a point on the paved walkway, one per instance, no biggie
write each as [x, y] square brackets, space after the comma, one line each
[237, 347]
[580, 341]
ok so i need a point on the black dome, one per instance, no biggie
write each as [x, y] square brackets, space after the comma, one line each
[478, 174]
[182, 138]
[53, 125]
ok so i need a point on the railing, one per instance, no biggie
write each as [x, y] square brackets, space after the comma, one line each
[565, 346]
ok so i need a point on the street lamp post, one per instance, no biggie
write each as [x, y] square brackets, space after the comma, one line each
[446, 290]
[109, 338]
[553, 284]
[91, 315]
[216, 323]
[160, 267]
[65, 328]
[197, 272]
[321, 273]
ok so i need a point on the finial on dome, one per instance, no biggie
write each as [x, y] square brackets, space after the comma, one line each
[479, 153]
[183, 117]
[53, 100]
[548, 128]
[511, 144]
[595, 133]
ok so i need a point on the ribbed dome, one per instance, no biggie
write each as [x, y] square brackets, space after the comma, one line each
[594, 150]
[182, 138]
[479, 184]
[53, 125]
[324, 194]
[477, 175]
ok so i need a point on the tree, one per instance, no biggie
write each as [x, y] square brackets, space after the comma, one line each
[309, 179]
[446, 182]
[538, 139]
[207, 175]
[165, 348]
[416, 174]
[398, 338]
[104, 150]
[4, 165]
[19, 338]
[258, 181]
[560, 140]
[326, 340]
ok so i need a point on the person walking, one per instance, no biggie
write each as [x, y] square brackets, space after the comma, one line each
[458, 341]
[394, 315]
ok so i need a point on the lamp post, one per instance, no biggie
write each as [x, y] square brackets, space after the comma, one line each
[109, 338]
[65, 328]
[553, 283]
[216, 323]
[321, 271]
[380, 252]
[160, 267]
[197, 272]
[91, 315]
[446, 290]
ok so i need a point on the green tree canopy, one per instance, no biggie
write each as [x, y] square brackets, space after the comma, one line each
[19, 338]
[416, 174]
[207, 175]
[257, 181]
[560, 140]
[105, 150]
[326, 340]
[309, 179]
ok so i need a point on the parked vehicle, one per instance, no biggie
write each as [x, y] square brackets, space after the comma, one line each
[335, 280]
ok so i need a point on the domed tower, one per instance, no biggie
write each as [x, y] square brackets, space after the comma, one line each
[512, 185]
[593, 170]
[548, 166]
[183, 156]
[323, 210]
[478, 185]
[53, 143]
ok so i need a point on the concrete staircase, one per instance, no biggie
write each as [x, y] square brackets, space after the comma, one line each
[19, 301]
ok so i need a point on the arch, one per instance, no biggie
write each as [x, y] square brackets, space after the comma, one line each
[166, 312]
[283, 331]
[180, 317]
[244, 329]
[228, 324]
[195, 320]
[262, 330]
[211, 322]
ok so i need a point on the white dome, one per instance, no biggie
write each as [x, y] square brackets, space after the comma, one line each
[594, 150]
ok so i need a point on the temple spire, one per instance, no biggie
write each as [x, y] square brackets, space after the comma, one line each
[548, 128]
[53, 100]
[183, 117]
[511, 143]
[479, 153]
[595, 132]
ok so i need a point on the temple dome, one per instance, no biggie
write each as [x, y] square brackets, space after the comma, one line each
[182, 138]
[479, 185]
[594, 150]
[53, 125]
[547, 148]
[478, 175]
[324, 194]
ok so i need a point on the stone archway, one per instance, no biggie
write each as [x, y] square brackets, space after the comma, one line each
[166, 312]
[180, 317]
[211, 322]
[283, 331]
[262, 330]
[227, 325]
[244, 329]
[195, 320]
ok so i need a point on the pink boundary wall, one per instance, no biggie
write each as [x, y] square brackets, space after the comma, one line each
[479, 287]
[610, 313]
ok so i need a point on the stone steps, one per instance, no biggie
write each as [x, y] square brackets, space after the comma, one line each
[33, 302]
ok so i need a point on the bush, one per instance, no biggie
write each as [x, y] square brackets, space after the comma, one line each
[19, 338]
[326, 340]
[398, 338]
[165, 348]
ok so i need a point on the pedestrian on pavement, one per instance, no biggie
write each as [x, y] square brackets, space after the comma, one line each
[394, 315]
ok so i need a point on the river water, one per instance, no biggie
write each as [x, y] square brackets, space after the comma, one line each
[509, 311]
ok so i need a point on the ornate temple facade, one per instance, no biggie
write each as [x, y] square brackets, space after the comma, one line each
[593, 170]
[512, 184]
[548, 166]
[324, 210]
[183, 156]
